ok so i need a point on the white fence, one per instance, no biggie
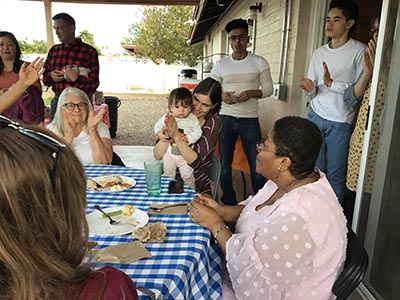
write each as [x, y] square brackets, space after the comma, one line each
[130, 75]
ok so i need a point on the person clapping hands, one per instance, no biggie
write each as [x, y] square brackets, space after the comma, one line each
[76, 121]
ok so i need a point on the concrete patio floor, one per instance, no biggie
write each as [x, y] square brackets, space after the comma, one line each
[134, 156]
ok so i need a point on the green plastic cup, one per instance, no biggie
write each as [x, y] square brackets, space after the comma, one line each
[153, 170]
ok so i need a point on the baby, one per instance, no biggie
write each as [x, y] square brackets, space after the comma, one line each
[180, 105]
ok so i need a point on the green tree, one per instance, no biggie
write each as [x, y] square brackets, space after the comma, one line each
[88, 38]
[162, 35]
[36, 46]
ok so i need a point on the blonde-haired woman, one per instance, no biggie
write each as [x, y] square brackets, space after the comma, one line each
[76, 121]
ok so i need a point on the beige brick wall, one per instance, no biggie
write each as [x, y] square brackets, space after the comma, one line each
[268, 44]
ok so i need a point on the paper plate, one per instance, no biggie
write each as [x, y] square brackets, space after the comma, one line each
[101, 226]
[111, 183]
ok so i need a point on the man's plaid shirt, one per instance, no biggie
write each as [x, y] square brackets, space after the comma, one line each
[79, 54]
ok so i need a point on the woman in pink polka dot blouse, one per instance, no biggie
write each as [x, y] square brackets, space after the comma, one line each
[290, 238]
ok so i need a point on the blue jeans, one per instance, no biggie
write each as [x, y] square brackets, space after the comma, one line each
[332, 158]
[249, 131]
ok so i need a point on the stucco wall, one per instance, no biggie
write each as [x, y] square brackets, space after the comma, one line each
[268, 44]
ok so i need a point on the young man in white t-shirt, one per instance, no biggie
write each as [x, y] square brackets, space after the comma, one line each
[245, 78]
[333, 68]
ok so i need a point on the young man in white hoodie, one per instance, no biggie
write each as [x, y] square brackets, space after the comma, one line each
[326, 86]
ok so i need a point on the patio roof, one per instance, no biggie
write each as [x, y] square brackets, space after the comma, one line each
[138, 2]
[206, 15]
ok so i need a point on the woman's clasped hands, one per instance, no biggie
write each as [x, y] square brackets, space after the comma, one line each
[204, 211]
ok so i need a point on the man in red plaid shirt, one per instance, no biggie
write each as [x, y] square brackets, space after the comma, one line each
[71, 63]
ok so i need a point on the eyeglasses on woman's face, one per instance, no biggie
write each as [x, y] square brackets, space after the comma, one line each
[71, 106]
[264, 145]
[44, 139]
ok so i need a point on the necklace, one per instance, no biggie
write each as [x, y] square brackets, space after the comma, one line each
[286, 190]
[292, 184]
[279, 193]
[310, 178]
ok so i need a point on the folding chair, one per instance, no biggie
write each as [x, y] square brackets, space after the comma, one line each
[116, 160]
[355, 267]
[215, 175]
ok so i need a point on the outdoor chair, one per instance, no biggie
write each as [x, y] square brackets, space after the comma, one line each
[355, 267]
[116, 160]
[215, 175]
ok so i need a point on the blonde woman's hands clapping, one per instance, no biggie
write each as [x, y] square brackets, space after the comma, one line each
[68, 128]
[95, 118]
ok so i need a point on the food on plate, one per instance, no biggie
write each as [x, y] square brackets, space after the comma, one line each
[112, 213]
[132, 221]
[151, 233]
[113, 182]
[126, 224]
[108, 183]
[91, 244]
[128, 210]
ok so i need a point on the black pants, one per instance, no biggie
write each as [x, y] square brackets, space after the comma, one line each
[53, 107]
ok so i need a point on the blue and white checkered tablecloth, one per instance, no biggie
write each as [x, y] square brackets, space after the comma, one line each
[186, 266]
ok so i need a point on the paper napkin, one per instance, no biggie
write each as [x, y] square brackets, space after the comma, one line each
[151, 233]
[124, 253]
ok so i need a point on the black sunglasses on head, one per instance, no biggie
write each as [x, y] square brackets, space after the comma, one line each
[46, 140]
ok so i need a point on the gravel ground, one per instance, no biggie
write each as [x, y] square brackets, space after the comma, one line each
[136, 118]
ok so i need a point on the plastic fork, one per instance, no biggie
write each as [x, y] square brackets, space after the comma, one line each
[112, 221]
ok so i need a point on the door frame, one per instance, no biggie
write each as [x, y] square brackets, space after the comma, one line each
[316, 37]
[390, 14]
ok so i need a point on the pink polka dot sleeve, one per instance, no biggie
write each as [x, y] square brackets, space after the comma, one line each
[276, 257]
